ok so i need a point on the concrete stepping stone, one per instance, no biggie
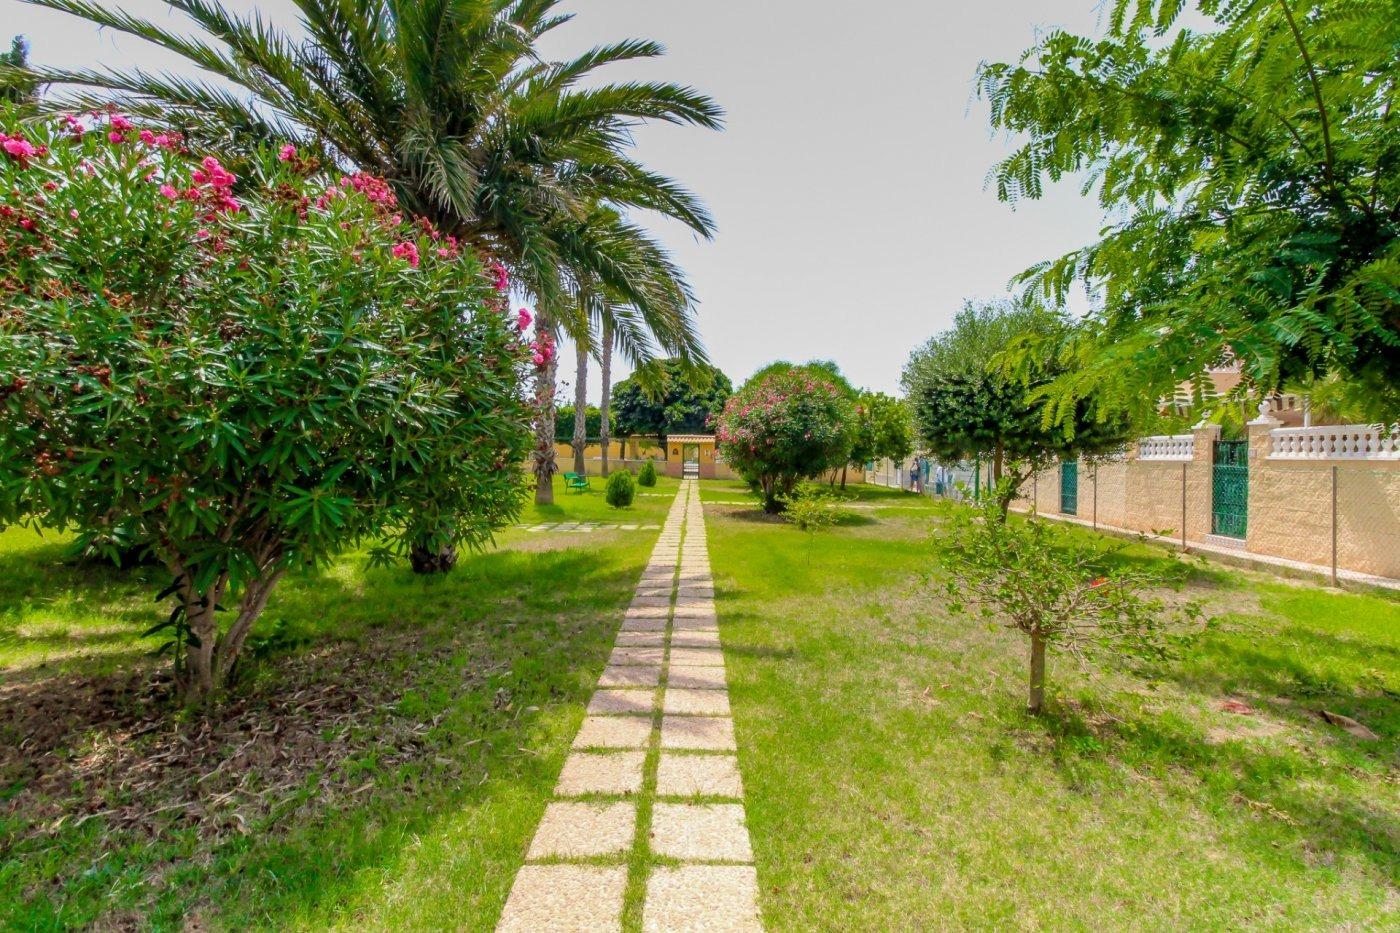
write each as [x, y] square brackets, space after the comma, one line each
[703, 832]
[655, 592]
[589, 773]
[702, 899]
[681, 702]
[697, 639]
[642, 639]
[696, 592]
[622, 676]
[565, 899]
[649, 602]
[697, 657]
[582, 830]
[698, 733]
[622, 702]
[695, 608]
[699, 775]
[696, 678]
[630, 624]
[635, 611]
[614, 732]
[632, 656]
[709, 623]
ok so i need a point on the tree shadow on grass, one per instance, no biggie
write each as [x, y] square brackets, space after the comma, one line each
[412, 701]
[1241, 777]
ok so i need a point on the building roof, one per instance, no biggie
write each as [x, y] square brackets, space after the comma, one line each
[691, 438]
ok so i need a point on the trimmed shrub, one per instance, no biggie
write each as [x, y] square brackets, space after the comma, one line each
[621, 490]
[647, 476]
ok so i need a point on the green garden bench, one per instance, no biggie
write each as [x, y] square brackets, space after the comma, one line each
[577, 481]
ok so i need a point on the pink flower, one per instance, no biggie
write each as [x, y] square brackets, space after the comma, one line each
[287, 153]
[147, 137]
[540, 359]
[120, 122]
[524, 318]
[73, 213]
[21, 149]
[407, 250]
[115, 137]
[500, 275]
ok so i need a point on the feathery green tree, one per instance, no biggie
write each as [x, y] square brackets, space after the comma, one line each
[1251, 174]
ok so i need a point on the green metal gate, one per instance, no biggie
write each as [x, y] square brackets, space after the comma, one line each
[1229, 501]
[1069, 488]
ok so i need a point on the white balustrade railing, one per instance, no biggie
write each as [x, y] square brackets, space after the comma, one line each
[1335, 442]
[1176, 447]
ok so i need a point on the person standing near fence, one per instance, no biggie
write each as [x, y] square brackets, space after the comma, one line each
[915, 477]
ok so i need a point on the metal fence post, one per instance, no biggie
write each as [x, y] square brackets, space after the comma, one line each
[1334, 526]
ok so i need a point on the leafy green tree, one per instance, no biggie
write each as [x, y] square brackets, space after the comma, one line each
[966, 402]
[884, 429]
[1064, 590]
[564, 421]
[789, 426]
[823, 369]
[247, 374]
[17, 86]
[527, 159]
[670, 397]
[1250, 174]
[647, 475]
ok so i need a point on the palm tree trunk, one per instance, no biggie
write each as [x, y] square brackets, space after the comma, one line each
[581, 408]
[604, 428]
[545, 462]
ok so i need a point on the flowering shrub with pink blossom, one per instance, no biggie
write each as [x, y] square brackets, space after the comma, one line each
[244, 368]
[788, 426]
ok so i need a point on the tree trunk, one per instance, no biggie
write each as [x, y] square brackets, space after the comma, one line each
[843, 475]
[604, 412]
[581, 409]
[546, 465]
[1036, 700]
[211, 657]
[425, 560]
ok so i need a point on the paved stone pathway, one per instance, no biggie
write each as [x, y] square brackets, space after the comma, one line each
[651, 798]
[582, 528]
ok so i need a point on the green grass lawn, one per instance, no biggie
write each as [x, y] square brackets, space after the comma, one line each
[894, 781]
[382, 764]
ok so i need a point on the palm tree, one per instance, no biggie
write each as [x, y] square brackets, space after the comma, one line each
[451, 103]
[580, 405]
[605, 403]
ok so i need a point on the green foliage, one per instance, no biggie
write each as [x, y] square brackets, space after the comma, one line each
[1063, 590]
[647, 475]
[967, 403]
[826, 370]
[245, 374]
[564, 423]
[672, 397]
[884, 428]
[621, 489]
[1249, 174]
[791, 425]
[813, 507]
[16, 85]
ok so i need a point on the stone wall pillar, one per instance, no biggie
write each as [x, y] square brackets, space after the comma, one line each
[1199, 474]
[1259, 444]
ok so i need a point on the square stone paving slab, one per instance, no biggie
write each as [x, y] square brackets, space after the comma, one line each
[614, 702]
[586, 773]
[579, 830]
[705, 623]
[702, 899]
[632, 624]
[634, 656]
[705, 638]
[641, 639]
[696, 678]
[696, 592]
[691, 609]
[705, 733]
[639, 602]
[706, 775]
[708, 832]
[627, 676]
[648, 612]
[614, 732]
[699, 657]
[655, 592]
[565, 899]
[681, 702]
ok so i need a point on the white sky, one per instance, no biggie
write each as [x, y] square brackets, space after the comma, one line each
[848, 184]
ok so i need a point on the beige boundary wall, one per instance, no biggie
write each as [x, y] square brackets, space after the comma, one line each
[1322, 496]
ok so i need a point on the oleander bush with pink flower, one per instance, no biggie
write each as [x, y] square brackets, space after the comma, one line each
[245, 369]
[788, 426]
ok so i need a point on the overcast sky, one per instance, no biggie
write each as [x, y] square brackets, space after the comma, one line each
[848, 183]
